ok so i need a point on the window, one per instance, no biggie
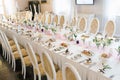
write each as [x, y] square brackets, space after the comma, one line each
[84, 1]
[62, 7]
[1, 7]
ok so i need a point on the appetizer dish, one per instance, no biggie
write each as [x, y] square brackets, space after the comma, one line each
[86, 52]
[64, 45]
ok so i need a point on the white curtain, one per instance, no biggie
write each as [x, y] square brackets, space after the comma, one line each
[63, 7]
[112, 7]
[9, 6]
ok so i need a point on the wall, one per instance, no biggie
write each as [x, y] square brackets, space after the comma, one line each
[97, 8]
[22, 4]
[47, 6]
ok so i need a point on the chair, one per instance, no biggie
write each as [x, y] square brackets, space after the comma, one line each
[49, 67]
[28, 15]
[55, 20]
[4, 46]
[82, 24]
[24, 60]
[13, 51]
[39, 17]
[69, 72]
[37, 67]
[36, 17]
[94, 26]
[23, 55]
[109, 29]
[49, 19]
[43, 19]
[74, 22]
[62, 21]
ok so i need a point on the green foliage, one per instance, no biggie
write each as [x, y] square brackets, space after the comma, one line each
[46, 27]
[106, 67]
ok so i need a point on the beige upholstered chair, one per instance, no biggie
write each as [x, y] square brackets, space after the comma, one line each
[28, 15]
[36, 17]
[82, 24]
[39, 17]
[13, 51]
[70, 72]
[55, 20]
[49, 19]
[74, 22]
[4, 46]
[109, 29]
[50, 68]
[37, 66]
[94, 26]
[22, 54]
[43, 20]
[62, 21]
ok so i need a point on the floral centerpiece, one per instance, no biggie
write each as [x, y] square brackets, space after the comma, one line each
[118, 50]
[53, 30]
[100, 41]
[106, 42]
[104, 68]
[97, 41]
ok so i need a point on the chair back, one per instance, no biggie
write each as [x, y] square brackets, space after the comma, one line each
[73, 22]
[48, 66]
[56, 19]
[5, 39]
[62, 21]
[43, 19]
[94, 26]
[69, 72]
[39, 17]
[31, 54]
[18, 48]
[82, 24]
[2, 41]
[49, 19]
[109, 29]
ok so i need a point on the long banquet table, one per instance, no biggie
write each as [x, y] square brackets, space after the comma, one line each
[87, 72]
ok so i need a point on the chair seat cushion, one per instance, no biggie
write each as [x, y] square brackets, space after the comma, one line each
[38, 58]
[56, 67]
[41, 69]
[27, 61]
[11, 42]
[59, 75]
[14, 48]
[17, 55]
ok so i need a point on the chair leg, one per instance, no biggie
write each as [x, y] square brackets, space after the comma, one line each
[14, 66]
[39, 76]
[3, 52]
[22, 69]
[12, 63]
[34, 75]
[9, 58]
[24, 72]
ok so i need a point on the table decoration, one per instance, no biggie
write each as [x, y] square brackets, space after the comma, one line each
[75, 57]
[106, 42]
[97, 41]
[87, 53]
[104, 68]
